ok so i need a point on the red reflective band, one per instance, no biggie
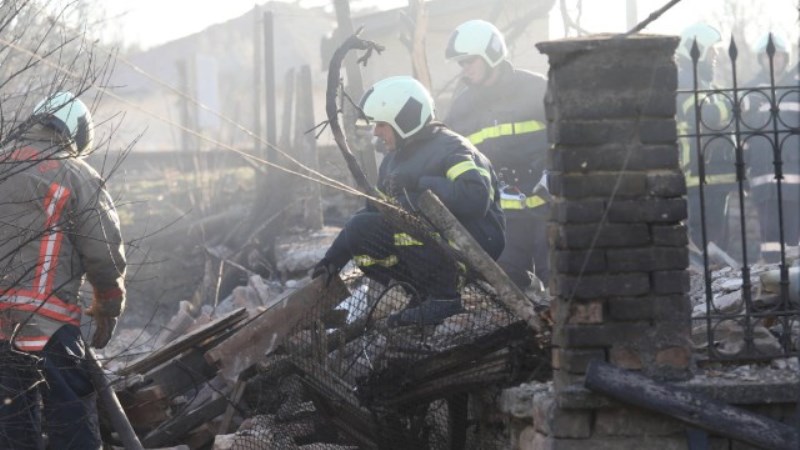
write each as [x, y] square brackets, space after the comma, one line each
[31, 343]
[50, 245]
[48, 306]
[109, 294]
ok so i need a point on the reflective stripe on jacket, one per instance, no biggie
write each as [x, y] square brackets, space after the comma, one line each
[718, 153]
[506, 121]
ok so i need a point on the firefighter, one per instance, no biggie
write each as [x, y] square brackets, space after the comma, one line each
[780, 60]
[718, 153]
[421, 154]
[59, 225]
[764, 120]
[501, 112]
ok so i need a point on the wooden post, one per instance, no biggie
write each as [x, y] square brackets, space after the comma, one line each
[257, 150]
[286, 118]
[269, 78]
[187, 140]
[419, 59]
[507, 292]
[306, 146]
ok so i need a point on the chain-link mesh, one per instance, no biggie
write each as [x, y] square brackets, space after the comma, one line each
[381, 384]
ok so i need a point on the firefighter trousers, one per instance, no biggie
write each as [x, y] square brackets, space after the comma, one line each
[383, 252]
[58, 376]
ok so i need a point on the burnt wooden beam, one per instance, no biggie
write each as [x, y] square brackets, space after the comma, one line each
[693, 409]
[348, 418]
[172, 432]
[189, 370]
[266, 332]
[507, 292]
[185, 342]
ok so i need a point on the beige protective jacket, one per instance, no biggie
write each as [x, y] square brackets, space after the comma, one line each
[57, 225]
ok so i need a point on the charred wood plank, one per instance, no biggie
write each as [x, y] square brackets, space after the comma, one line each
[145, 408]
[494, 369]
[508, 293]
[186, 342]
[174, 431]
[353, 421]
[188, 370]
[266, 332]
[691, 408]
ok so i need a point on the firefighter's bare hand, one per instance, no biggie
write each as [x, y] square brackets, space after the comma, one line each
[103, 329]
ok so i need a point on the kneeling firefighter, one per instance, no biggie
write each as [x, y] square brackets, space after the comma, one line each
[422, 154]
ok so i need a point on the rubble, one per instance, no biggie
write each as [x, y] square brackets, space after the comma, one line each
[226, 364]
[725, 323]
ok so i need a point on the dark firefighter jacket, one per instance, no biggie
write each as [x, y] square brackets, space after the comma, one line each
[506, 122]
[719, 155]
[59, 224]
[437, 159]
[771, 120]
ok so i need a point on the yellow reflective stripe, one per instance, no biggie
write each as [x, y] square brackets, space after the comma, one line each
[725, 178]
[535, 201]
[529, 202]
[505, 129]
[464, 166]
[405, 239]
[688, 104]
[456, 170]
[511, 204]
[367, 261]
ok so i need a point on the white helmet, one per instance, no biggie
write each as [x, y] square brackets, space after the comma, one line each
[69, 116]
[401, 101]
[705, 35]
[477, 38]
[781, 46]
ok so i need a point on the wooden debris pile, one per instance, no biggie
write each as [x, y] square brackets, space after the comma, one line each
[318, 368]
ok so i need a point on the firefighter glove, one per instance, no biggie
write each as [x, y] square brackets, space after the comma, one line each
[103, 330]
[105, 308]
[327, 269]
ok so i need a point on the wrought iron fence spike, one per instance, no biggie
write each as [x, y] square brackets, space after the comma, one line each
[770, 46]
[733, 50]
[695, 51]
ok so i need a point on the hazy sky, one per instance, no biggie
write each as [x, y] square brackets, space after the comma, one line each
[152, 22]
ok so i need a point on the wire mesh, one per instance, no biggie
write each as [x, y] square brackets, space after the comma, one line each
[383, 385]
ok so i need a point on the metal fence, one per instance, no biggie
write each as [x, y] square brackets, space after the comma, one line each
[741, 155]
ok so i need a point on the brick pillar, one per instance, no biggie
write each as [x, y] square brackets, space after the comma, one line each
[618, 245]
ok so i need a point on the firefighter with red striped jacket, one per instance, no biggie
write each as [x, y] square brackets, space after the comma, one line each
[422, 154]
[501, 112]
[59, 225]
